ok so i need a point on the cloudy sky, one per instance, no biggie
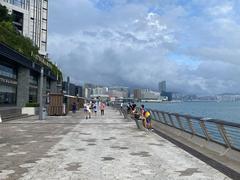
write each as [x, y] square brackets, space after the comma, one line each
[192, 44]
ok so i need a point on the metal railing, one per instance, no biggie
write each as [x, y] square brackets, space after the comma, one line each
[222, 132]
[218, 131]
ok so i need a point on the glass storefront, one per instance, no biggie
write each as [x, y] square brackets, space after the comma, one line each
[8, 85]
[8, 94]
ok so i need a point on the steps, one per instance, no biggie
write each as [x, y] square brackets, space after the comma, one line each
[11, 113]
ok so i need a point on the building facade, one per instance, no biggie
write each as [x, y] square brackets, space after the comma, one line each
[137, 94]
[71, 89]
[30, 17]
[100, 91]
[118, 91]
[162, 87]
[20, 79]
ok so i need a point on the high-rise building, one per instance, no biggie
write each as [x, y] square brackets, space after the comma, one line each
[118, 91]
[162, 86]
[137, 94]
[30, 18]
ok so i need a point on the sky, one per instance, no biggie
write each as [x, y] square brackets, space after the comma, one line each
[192, 44]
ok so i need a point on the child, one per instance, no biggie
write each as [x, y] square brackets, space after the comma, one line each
[148, 120]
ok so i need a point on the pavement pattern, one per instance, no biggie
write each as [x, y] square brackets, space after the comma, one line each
[103, 147]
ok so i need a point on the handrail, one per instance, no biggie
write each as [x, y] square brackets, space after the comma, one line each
[218, 131]
[222, 132]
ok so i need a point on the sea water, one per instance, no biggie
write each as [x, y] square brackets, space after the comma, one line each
[227, 111]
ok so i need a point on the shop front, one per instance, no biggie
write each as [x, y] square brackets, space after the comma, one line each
[8, 85]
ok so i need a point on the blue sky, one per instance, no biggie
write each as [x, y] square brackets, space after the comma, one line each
[192, 44]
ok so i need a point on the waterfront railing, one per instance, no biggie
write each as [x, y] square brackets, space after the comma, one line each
[218, 131]
[213, 130]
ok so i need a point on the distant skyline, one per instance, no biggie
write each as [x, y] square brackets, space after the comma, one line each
[192, 44]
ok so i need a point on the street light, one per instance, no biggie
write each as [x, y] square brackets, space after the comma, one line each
[41, 96]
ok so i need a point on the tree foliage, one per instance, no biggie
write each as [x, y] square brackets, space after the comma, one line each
[4, 16]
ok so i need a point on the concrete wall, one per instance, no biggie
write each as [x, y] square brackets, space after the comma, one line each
[224, 155]
[23, 86]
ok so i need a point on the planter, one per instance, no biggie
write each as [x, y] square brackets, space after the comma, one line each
[30, 110]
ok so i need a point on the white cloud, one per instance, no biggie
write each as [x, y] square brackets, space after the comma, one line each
[126, 43]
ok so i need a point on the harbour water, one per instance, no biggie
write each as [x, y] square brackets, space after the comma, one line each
[227, 111]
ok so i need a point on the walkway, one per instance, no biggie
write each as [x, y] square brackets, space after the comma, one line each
[107, 147]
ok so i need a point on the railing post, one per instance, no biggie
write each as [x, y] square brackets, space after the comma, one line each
[154, 114]
[223, 134]
[179, 122]
[205, 131]
[164, 118]
[124, 113]
[190, 124]
[170, 118]
[159, 117]
[120, 110]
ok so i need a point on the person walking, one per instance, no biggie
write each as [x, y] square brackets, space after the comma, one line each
[102, 108]
[89, 110]
[85, 108]
[74, 107]
[95, 108]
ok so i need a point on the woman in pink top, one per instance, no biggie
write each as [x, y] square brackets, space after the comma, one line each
[102, 107]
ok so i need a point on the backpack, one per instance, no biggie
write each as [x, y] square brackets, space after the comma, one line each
[147, 114]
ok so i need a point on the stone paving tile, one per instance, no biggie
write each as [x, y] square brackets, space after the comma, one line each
[104, 147]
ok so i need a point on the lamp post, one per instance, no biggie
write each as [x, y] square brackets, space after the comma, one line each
[41, 96]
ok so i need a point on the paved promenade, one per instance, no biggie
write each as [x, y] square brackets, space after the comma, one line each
[104, 147]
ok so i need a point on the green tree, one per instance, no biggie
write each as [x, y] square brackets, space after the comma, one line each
[4, 16]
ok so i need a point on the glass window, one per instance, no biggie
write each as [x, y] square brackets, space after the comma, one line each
[8, 72]
[20, 3]
[48, 85]
[33, 93]
[33, 79]
[45, 4]
[7, 95]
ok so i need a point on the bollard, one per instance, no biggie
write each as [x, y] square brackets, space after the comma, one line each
[0, 118]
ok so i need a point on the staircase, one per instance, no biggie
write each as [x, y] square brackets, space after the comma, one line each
[11, 113]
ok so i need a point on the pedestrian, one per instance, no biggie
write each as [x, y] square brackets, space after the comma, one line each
[102, 108]
[85, 108]
[74, 107]
[95, 108]
[91, 106]
[128, 108]
[148, 120]
[142, 115]
[89, 110]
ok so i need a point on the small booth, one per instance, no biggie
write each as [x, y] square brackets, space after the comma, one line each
[56, 106]
[60, 104]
